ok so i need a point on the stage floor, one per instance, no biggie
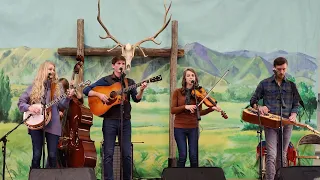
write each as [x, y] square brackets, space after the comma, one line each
[227, 179]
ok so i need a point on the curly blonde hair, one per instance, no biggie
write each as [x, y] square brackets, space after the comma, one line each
[38, 83]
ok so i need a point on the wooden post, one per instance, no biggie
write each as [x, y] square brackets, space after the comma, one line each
[172, 161]
[80, 58]
[80, 39]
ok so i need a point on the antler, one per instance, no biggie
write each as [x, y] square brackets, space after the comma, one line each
[165, 24]
[108, 33]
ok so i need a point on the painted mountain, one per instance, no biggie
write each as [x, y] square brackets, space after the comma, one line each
[244, 67]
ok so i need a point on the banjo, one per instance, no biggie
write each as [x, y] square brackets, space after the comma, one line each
[35, 121]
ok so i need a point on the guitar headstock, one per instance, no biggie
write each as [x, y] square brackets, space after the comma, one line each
[156, 78]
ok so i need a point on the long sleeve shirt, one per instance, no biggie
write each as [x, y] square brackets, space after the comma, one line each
[54, 126]
[114, 111]
[269, 90]
[184, 118]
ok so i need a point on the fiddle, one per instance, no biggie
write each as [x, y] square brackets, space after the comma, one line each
[201, 94]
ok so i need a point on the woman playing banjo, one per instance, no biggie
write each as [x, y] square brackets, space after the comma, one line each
[45, 85]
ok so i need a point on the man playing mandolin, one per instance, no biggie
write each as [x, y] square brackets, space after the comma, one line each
[111, 123]
[269, 90]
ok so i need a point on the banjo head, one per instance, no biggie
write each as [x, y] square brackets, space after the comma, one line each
[35, 121]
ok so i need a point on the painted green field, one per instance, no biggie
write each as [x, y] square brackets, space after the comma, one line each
[222, 143]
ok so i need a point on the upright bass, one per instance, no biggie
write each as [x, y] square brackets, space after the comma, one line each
[75, 145]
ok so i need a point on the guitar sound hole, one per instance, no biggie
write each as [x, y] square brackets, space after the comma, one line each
[113, 94]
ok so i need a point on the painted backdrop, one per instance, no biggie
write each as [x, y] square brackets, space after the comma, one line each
[242, 37]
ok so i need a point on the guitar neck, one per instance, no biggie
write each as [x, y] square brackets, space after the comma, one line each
[133, 86]
[305, 126]
[287, 121]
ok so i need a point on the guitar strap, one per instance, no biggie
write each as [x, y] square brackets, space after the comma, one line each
[126, 82]
[111, 81]
[53, 89]
[52, 92]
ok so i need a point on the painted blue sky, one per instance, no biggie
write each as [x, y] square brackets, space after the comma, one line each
[263, 26]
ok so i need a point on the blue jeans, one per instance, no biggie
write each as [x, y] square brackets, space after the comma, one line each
[181, 135]
[273, 160]
[37, 144]
[111, 129]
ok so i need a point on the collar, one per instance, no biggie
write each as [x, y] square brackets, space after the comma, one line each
[114, 77]
[273, 79]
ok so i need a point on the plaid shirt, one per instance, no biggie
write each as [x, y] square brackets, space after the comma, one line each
[269, 91]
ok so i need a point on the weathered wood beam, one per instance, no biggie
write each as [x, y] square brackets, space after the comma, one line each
[150, 52]
[173, 83]
[80, 56]
[80, 39]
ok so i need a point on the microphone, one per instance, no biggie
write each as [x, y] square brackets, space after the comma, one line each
[192, 81]
[283, 104]
[49, 74]
[121, 69]
[275, 72]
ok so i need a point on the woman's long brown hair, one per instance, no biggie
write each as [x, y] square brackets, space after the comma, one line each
[184, 82]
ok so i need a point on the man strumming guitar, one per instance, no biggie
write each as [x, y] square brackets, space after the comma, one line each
[111, 123]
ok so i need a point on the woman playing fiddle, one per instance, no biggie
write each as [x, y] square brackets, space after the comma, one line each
[183, 105]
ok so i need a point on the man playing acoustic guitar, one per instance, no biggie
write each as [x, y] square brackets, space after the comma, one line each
[269, 90]
[111, 123]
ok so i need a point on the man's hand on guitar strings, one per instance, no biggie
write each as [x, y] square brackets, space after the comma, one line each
[104, 98]
[293, 117]
[263, 110]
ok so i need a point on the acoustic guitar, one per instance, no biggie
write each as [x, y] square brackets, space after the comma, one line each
[113, 92]
[270, 120]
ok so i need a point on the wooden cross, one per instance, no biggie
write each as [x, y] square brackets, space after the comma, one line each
[173, 53]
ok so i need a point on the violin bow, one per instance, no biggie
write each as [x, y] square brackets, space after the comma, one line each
[213, 87]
